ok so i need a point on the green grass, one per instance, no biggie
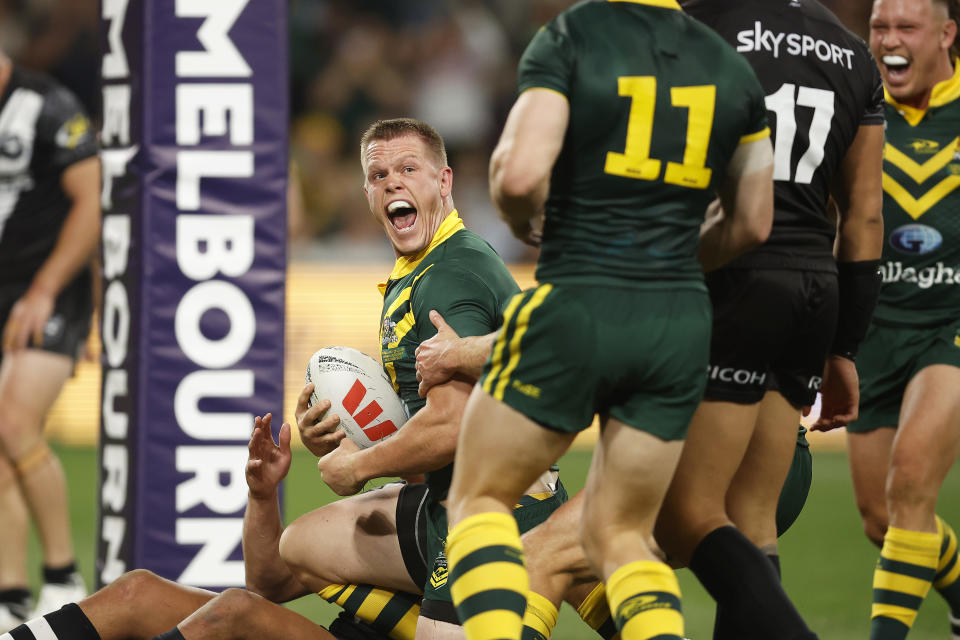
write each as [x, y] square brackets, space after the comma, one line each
[827, 562]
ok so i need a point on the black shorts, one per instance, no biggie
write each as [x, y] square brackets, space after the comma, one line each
[772, 329]
[67, 329]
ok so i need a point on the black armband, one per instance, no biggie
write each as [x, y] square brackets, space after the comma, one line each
[859, 287]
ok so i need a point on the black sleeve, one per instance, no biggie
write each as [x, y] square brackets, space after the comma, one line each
[64, 130]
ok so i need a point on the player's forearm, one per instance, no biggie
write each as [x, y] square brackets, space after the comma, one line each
[471, 354]
[860, 236]
[427, 442]
[266, 572]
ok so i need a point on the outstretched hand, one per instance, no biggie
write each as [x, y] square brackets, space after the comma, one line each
[435, 363]
[267, 461]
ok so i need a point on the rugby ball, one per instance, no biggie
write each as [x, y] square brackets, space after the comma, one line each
[359, 392]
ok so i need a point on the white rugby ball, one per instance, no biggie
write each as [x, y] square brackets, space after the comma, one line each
[359, 392]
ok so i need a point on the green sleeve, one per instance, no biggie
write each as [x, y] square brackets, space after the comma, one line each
[548, 60]
[461, 297]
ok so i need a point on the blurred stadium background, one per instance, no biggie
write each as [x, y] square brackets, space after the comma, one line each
[451, 63]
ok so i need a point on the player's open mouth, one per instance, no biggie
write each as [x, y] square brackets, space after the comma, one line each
[402, 214]
[897, 67]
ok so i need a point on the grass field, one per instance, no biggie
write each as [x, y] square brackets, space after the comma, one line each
[827, 562]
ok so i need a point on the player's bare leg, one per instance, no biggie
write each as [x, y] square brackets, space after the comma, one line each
[628, 480]
[14, 591]
[869, 454]
[349, 541]
[755, 489]
[238, 614]
[30, 381]
[911, 560]
[695, 527]
[486, 485]
[695, 504]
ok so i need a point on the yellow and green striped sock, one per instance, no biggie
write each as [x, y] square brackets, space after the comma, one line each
[595, 611]
[904, 573]
[393, 613]
[539, 619]
[644, 597]
[488, 580]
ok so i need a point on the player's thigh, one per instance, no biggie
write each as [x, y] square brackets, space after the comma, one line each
[30, 381]
[928, 437]
[755, 490]
[352, 540]
[628, 478]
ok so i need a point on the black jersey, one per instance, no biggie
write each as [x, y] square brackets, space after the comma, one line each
[43, 130]
[821, 84]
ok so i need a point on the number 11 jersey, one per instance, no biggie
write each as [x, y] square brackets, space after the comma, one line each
[658, 105]
[821, 84]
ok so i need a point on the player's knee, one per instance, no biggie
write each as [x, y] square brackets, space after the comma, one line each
[300, 557]
[139, 585]
[233, 604]
[910, 483]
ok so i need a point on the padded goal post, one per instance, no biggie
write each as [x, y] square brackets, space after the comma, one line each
[194, 153]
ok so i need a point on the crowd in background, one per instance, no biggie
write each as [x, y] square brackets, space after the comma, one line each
[451, 63]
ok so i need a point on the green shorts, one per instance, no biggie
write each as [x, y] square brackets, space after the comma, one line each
[797, 485]
[422, 531]
[566, 353]
[889, 358]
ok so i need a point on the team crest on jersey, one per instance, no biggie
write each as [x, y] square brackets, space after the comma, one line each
[439, 576]
[73, 132]
[927, 147]
[388, 332]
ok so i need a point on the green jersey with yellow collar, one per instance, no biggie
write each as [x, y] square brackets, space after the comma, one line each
[921, 211]
[461, 276]
[658, 105]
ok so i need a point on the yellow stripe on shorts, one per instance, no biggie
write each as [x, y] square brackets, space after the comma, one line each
[496, 356]
[523, 321]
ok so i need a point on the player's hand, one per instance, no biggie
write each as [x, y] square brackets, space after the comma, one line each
[436, 360]
[839, 394]
[26, 321]
[318, 432]
[267, 461]
[338, 470]
[529, 231]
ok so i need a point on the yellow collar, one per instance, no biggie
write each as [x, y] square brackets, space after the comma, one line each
[406, 264]
[943, 93]
[665, 4]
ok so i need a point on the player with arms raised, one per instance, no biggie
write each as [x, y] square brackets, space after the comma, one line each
[631, 118]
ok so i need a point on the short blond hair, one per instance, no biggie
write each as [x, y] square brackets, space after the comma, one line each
[399, 127]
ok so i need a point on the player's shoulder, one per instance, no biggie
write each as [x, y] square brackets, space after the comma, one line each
[466, 257]
[35, 81]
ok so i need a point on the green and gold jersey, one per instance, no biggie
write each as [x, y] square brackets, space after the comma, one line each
[461, 276]
[921, 211]
[658, 104]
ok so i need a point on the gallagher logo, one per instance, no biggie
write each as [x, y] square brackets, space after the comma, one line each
[915, 239]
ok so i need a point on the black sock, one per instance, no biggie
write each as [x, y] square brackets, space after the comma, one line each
[59, 575]
[173, 634]
[746, 588]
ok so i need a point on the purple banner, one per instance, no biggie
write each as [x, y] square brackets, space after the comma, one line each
[207, 209]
